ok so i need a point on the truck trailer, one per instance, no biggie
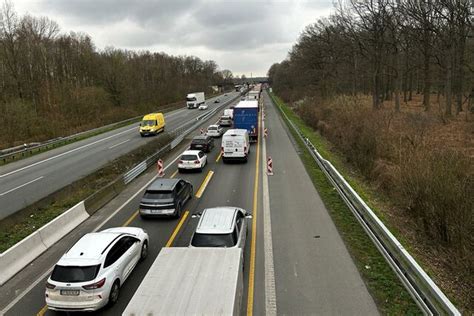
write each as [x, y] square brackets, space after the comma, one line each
[191, 281]
[195, 99]
[246, 117]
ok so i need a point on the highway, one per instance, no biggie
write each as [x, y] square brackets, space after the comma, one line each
[29, 180]
[295, 260]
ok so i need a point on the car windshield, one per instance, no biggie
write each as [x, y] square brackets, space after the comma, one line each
[199, 141]
[148, 122]
[225, 118]
[189, 157]
[213, 240]
[212, 128]
[191, 99]
[74, 273]
[158, 195]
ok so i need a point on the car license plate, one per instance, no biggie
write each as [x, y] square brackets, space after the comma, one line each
[69, 292]
[198, 146]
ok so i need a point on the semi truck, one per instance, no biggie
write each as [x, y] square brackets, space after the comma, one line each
[191, 281]
[195, 99]
[246, 117]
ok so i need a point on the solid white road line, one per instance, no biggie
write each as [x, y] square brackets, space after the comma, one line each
[65, 153]
[270, 293]
[21, 186]
[119, 144]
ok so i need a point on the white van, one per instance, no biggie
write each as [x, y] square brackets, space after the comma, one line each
[235, 145]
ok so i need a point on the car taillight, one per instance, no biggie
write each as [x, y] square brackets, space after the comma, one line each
[196, 161]
[94, 286]
[50, 286]
[245, 148]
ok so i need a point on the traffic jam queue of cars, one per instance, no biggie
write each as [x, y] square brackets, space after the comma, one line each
[90, 274]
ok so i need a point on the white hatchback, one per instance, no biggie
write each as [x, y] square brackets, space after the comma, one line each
[203, 107]
[215, 131]
[192, 160]
[89, 275]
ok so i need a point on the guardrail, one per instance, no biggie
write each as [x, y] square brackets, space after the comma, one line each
[24, 252]
[428, 296]
[22, 150]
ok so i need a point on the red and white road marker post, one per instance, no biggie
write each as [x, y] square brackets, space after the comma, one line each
[161, 170]
[202, 131]
[269, 166]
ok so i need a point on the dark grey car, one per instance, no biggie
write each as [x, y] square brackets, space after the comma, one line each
[165, 197]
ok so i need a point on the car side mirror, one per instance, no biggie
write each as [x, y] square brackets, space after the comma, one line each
[139, 124]
[249, 216]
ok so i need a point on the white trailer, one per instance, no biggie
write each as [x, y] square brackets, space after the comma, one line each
[191, 281]
[195, 99]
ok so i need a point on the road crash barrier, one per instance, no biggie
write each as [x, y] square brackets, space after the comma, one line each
[28, 249]
[428, 296]
[20, 255]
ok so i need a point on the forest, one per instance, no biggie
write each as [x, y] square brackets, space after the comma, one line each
[54, 84]
[390, 84]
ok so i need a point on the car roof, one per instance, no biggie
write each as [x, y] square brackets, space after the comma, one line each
[89, 248]
[217, 220]
[163, 185]
[232, 132]
[200, 137]
[151, 116]
[190, 152]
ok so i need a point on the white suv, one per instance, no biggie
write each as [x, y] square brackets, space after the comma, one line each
[221, 227]
[89, 275]
[191, 160]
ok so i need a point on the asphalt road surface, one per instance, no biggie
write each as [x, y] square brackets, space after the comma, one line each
[287, 270]
[27, 181]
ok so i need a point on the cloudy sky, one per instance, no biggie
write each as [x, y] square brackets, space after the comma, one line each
[244, 36]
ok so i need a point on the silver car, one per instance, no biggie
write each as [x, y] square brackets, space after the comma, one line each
[221, 227]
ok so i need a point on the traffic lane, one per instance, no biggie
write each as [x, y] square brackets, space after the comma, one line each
[29, 185]
[231, 185]
[313, 269]
[159, 232]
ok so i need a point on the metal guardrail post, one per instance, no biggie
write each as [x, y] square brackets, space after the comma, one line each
[428, 296]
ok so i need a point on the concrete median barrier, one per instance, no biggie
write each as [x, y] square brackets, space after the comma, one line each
[23, 253]
[20, 255]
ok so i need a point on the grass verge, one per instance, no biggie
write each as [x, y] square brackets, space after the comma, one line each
[21, 224]
[385, 287]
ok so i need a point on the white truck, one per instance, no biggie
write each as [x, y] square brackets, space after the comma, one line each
[195, 99]
[191, 281]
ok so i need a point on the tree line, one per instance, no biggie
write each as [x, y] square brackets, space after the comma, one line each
[52, 83]
[390, 49]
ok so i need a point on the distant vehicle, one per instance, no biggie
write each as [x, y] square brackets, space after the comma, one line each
[203, 142]
[229, 112]
[191, 281]
[194, 100]
[192, 160]
[215, 131]
[225, 120]
[152, 124]
[235, 145]
[225, 94]
[89, 275]
[253, 95]
[246, 117]
[217, 100]
[221, 227]
[165, 197]
[203, 107]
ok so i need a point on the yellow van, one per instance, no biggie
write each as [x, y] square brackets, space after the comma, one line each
[152, 124]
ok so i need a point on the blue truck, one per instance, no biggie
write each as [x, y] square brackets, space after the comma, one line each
[246, 117]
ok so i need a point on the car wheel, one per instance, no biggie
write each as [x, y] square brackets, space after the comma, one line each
[114, 293]
[144, 252]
